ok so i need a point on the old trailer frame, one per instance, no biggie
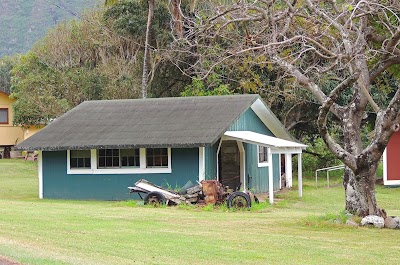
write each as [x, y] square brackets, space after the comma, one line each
[207, 191]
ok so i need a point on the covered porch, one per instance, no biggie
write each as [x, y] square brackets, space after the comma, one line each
[229, 164]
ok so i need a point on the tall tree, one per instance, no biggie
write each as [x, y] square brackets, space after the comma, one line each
[147, 47]
[177, 16]
[334, 50]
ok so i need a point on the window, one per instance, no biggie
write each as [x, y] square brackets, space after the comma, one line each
[130, 158]
[117, 158]
[3, 116]
[108, 158]
[262, 154]
[80, 159]
[157, 157]
[119, 161]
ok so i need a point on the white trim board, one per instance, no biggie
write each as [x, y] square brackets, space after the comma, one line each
[387, 182]
[202, 164]
[40, 173]
[131, 170]
[276, 145]
[270, 120]
[242, 154]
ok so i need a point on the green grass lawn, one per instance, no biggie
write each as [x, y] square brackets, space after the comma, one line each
[293, 231]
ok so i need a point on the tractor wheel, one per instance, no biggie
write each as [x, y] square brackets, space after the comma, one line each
[154, 198]
[239, 200]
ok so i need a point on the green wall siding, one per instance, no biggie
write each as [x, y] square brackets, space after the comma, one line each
[249, 121]
[211, 161]
[275, 161]
[256, 177]
[57, 184]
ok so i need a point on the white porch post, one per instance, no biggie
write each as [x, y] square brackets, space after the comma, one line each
[40, 173]
[202, 164]
[270, 177]
[242, 165]
[300, 175]
[218, 150]
[288, 170]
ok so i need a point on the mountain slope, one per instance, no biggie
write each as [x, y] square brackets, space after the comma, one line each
[23, 22]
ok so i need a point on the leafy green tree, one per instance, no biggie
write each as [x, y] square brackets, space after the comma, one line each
[126, 18]
[77, 61]
[6, 64]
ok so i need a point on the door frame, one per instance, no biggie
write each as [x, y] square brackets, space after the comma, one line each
[242, 163]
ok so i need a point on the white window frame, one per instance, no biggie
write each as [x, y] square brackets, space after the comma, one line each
[143, 169]
[69, 160]
[262, 164]
[120, 160]
[147, 166]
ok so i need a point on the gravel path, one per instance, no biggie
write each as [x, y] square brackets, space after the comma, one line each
[5, 261]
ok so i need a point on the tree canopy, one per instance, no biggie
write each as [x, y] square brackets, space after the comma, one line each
[97, 57]
[337, 52]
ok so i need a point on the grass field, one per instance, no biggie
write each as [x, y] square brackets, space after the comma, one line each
[294, 231]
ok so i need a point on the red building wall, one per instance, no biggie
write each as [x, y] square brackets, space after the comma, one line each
[393, 157]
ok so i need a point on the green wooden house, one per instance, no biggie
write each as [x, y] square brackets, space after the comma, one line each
[99, 148]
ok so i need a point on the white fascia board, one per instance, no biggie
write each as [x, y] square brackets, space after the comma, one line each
[287, 151]
[270, 120]
[263, 140]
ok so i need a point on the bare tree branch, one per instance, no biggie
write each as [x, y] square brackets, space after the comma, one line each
[339, 151]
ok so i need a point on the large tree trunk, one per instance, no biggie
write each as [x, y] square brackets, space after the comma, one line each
[359, 184]
[360, 193]
[146, 60]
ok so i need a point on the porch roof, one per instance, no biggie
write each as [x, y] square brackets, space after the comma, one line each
[277, 145]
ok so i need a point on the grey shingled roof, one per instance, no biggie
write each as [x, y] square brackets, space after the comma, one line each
[153, 122]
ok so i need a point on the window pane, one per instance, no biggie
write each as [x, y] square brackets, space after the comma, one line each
[130, 157]
[108, 158]
[87, 162]
[127, 152]
[115, 161]
[102, 161]
[3, 115]
[74, 163]
[80, 158]
[132, 161]
[165, 161]
[80, 162]
[102, 152]
[108, 152]
[124, 161]
[262, 154]
[149, 161]
[157, 157]
[149, 152]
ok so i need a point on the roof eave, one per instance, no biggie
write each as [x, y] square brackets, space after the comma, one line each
[126, 146]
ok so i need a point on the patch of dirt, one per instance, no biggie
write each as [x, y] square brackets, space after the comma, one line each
[5, 261]
[263, 197]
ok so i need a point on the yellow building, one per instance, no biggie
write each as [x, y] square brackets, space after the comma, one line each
[11, 135]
